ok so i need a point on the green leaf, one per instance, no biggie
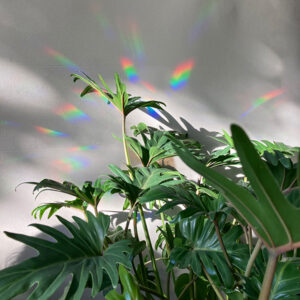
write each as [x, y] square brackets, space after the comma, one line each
[272, 208]
[89, 194]
[156, 145]
[271, 215]
[201, 247]
[286, 281]
[201, 287]
[120, 99]
[143, 179]
[82, 256]
[53, 207]
[285, 285]
[130, 287]
[194, 203]
[132, 105]
[235, 296]
[228, 138]
[180, 284]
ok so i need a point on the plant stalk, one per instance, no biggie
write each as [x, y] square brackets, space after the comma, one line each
[95, 210]
[191, 290]
[269, 275]
[187, 286]
[146, 289]
[250, 238]
[144, 273]
[162, 216]
[253, 257]
[147, 236]
[136, 236]
[124, 141]
[222, 243]
[151, 252]
[168, 285]
[246, 234]
[218, 293]
[129, 217]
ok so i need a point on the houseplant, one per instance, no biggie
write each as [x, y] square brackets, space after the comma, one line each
[232, 240]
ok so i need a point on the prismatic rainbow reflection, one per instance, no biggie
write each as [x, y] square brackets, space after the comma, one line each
[203, 20]
[129, 69]
[70, 164]
[50, 131]
[83, 148]
[148, 86]
[62, 60]
[152, 112]
[137, 41]
[106, 26]
[181, 74]
[70, 112]
[103, 20]
[263, 99]
[9, 123]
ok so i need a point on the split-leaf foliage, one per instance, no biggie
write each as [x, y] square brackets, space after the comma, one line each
[233, 239]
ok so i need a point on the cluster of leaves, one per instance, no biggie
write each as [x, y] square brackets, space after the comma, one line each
[206, 226]
[121, 100]
[89, 195]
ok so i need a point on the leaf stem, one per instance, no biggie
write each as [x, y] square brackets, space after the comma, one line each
[269, 275]
[136, 235]
[218, 293]
[193, 281]
[246, 234]
[168, 284]
[156, 259]
[187, 286]
[151, 252]
[250, 238]
[124, 141]
[222, 243]
[146, 289]
[253, 257]
[129, 217]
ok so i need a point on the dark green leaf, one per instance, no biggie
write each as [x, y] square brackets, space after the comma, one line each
[82, 256]
[130, 288]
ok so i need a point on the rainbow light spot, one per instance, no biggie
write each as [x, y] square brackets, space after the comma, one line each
[152, 112]
[9, 123]
[181, 74]
[83, 148]
[263, 99]
[70, 164]
[137, 42]
[71, 113]
[106, 26]
[148, 86]
[49, 131]
[129, 69]
[202, 20]
[62, 60]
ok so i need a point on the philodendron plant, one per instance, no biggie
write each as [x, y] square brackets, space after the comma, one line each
[230, 239]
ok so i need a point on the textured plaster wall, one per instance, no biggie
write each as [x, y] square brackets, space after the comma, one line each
[245, 69]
